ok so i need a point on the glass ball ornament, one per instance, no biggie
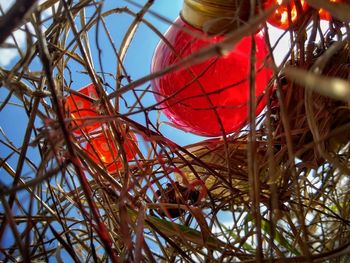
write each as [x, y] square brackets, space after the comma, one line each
[103, 150]
[189, 96]
[80, 107]
[286, 14]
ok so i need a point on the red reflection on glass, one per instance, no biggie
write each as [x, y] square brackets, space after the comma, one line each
[80, 108]
[103, 150]
[284, 13]
[190, 95]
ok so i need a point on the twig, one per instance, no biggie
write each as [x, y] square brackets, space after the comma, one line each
[14, 17]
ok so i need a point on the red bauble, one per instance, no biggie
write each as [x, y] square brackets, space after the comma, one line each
[103, 150]
[224, 80]
[280, 18]
[80, 108]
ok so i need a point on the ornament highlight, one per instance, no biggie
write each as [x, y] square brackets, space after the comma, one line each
[103, 150]
[189, 97]
[286, 14]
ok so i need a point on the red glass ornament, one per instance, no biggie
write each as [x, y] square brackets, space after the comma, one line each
[325, 15]
[280, 18]
[103, 150]
[225, 80]
[80, 108]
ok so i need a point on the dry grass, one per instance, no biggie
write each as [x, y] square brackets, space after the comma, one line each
[279, 193]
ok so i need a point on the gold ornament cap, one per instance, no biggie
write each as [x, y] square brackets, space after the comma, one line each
[216, 16]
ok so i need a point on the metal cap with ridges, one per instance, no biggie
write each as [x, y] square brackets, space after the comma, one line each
[216, 16]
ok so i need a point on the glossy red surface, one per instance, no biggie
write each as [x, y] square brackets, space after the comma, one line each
[280, 18]
[103, 150]
[188, 96]
[80, 108]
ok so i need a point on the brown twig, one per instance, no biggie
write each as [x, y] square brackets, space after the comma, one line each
[15, 17]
